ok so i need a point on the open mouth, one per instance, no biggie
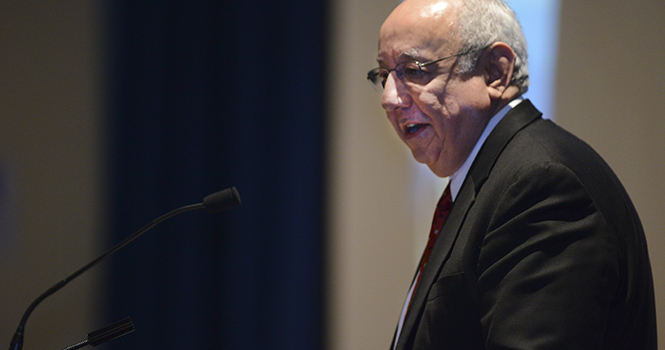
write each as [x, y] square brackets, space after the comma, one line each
[412, 129]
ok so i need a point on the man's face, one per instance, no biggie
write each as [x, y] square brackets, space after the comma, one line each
[440, 118]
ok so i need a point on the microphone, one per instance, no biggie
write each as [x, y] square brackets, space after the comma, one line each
[105, 334]
[213, 203]
[222, 200]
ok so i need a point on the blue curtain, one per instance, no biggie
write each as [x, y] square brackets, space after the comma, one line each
[205, 95]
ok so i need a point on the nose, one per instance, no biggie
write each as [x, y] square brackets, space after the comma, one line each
[395, 94]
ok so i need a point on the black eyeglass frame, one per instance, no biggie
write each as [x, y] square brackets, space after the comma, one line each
[375, 78]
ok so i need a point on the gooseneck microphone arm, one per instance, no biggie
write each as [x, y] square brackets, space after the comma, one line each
[216, 202]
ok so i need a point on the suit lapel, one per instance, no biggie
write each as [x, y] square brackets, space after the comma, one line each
[518, 117]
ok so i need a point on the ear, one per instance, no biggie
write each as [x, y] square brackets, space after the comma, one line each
[499, 68]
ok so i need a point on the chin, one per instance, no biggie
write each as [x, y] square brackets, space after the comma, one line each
[421, 158]
[425, 157]
[440, 170]
[442, 173]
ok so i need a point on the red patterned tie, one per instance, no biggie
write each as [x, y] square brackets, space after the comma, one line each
[440, 215]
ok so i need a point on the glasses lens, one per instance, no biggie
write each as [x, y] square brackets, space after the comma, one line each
[377, 77]
[413, 72]
[409, 71]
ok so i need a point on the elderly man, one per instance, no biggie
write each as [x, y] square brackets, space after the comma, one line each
[535, 243]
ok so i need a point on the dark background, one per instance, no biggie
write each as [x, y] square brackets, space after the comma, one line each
[206, 95]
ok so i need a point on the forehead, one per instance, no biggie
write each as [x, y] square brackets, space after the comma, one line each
[418, 29]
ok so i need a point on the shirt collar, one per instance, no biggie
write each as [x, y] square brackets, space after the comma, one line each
[458, 177]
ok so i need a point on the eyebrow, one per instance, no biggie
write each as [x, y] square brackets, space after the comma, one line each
[410, 55]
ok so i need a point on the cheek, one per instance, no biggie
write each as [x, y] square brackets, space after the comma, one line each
[451, 105]
[429, 98]
[473, 94]
[436, 105]
[440, 100]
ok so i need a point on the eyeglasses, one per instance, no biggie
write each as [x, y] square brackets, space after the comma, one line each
[412, 71]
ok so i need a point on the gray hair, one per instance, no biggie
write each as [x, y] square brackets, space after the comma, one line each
[484, 22]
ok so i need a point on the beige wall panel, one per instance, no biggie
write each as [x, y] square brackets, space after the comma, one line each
[370, 243]
[50, 145]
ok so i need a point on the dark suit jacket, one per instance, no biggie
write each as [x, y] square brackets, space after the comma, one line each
[542, 249]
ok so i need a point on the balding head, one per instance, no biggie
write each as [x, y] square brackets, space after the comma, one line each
[435, 20]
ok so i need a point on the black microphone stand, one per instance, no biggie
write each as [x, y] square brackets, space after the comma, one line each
[105, 334]
[215, 202]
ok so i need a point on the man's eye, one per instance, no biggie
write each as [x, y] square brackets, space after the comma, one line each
[413, 72]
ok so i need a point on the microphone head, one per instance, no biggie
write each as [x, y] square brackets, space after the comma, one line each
[222, 200]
